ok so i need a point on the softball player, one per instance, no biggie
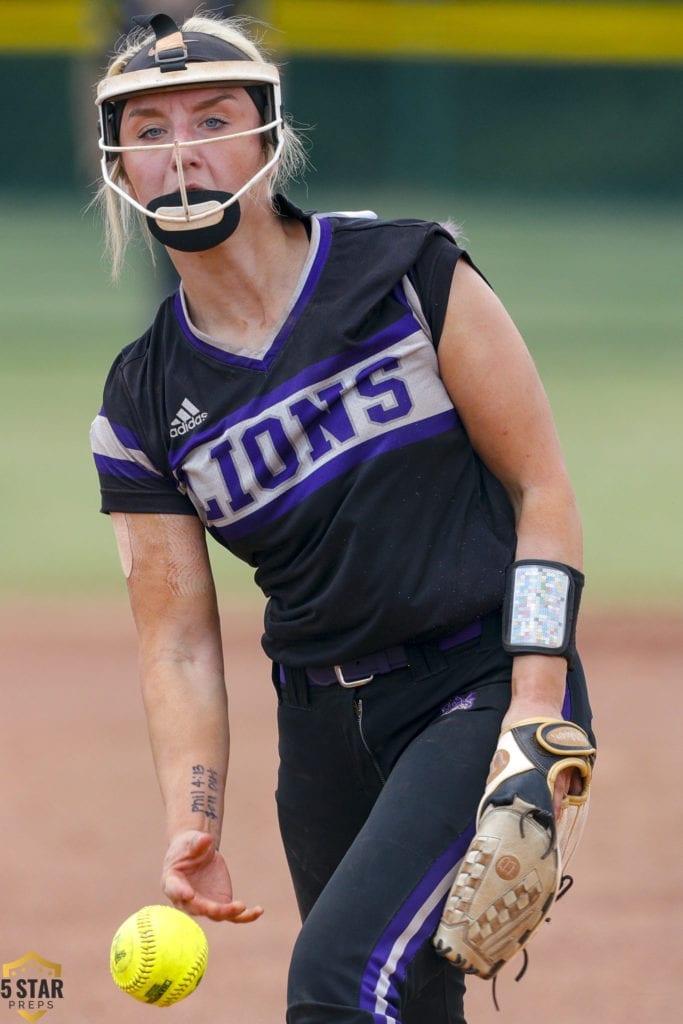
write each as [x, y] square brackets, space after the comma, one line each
[344, 404]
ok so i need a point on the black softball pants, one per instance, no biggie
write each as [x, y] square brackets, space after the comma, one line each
[378, 788]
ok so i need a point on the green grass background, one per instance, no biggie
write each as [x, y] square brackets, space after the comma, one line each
[594, 286]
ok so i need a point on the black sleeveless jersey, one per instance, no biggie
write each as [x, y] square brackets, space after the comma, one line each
[332, 460]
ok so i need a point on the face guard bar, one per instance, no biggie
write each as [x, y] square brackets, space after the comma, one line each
[180, 62]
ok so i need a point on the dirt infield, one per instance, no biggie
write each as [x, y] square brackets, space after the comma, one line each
[82, 835]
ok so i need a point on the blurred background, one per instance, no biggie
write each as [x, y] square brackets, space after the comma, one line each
[550, 131]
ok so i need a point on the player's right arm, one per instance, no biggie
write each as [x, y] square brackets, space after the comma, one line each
[173, 599]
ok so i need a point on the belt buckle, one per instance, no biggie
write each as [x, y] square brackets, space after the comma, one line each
[350, 684]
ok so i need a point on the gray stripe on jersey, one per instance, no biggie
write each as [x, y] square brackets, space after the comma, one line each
[416, 306]
[104, 441]
[258, 459]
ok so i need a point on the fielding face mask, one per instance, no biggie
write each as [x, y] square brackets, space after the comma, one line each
[200, 219]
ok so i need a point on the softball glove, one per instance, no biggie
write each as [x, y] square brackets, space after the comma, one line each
[512, 870]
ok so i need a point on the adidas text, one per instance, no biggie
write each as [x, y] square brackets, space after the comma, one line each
[188, 425]
[186, 419]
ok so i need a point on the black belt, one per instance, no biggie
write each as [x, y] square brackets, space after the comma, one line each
[360, 671]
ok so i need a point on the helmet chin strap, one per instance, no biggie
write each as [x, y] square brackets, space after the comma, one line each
[212, 222]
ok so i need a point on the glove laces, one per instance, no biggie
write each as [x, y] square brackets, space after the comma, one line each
[566, 882]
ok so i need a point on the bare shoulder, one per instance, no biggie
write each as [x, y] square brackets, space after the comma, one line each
[493, 383]
[475, 313]
[480, 344]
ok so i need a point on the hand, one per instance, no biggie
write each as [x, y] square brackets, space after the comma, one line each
[195, 878]
[569, 781]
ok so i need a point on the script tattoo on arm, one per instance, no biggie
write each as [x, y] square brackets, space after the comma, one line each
[204, 791]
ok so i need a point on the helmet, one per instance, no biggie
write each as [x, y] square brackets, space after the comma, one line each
[177, 59]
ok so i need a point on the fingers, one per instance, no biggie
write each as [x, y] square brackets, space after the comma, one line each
[577, 783]
[196, 905]
[196, 880]
[177, 888]
[558, 802]
[237, 913]
[568, 782]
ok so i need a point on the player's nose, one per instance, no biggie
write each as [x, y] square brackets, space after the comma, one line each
[187, 149]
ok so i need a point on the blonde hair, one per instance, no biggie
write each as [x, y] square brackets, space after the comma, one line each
[120, 218]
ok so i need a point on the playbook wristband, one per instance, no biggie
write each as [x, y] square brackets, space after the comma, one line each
[541, 607]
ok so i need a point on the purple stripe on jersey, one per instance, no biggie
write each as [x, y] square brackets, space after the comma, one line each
[319, 260]
[128, 438]
[399, 294]
[309, 377]
[410, 933]
[398, 438]
[230, 358]
[567, 705]
[124, 469]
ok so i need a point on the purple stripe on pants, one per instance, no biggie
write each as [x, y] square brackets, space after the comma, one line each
[413, 925]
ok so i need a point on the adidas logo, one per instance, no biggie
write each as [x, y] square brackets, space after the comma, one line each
[186, 419]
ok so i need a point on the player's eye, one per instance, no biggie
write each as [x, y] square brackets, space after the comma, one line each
[150, 133]
[215, 122]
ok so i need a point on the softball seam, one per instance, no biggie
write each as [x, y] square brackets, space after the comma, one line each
[184, 985]
[143, 923]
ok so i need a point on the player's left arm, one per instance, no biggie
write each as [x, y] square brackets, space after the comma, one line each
[491, 378]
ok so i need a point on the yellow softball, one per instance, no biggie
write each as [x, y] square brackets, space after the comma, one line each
[158, 955]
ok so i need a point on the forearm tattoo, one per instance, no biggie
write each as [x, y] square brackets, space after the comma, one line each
[205, 791]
